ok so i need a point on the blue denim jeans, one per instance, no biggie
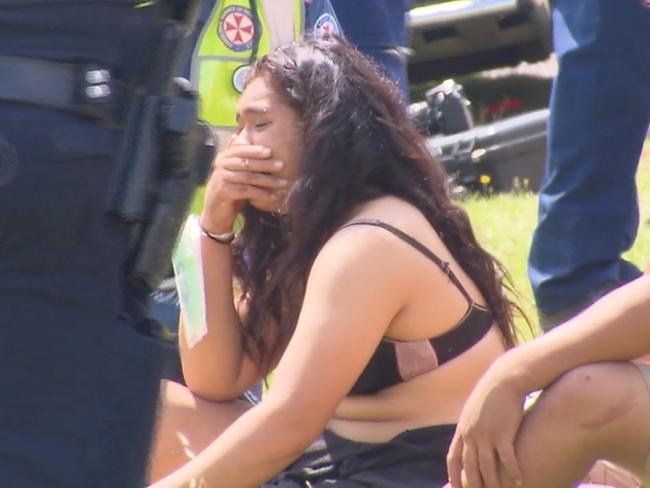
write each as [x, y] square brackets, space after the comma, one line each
[600, 109]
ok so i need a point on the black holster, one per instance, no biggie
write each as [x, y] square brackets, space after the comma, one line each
[164, 151]
[164, 155]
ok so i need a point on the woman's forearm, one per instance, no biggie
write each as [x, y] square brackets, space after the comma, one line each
[213, 367]
[616, 328]
[251, 451]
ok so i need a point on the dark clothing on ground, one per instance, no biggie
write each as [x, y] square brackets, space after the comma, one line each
[415, 459]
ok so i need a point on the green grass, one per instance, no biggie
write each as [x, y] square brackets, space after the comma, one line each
[504, 225]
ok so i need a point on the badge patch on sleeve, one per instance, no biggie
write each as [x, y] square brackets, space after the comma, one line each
[325, 26]
[237, 28]
[240, 76]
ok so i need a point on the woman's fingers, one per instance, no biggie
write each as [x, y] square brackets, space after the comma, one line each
[472, 467]
[248, 158]
[262, 180]
[508, 459]
[237, 191]
[244, 173]
[247, 151]
[455, 461]
[488, 466]
[471, 470]
[253, 165]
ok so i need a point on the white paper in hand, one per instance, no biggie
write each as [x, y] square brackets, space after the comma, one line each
[188, 270]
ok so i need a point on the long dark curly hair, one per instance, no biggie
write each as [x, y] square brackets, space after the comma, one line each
[358, 145]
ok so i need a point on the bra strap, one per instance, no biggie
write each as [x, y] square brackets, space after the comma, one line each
[443, 265]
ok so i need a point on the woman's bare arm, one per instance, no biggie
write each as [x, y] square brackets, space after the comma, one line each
[356, 287]
[217, 368]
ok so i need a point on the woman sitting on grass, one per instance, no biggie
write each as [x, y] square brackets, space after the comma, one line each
[362, 288]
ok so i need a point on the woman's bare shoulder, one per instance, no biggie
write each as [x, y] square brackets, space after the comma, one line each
[401, 215]
[368, 250]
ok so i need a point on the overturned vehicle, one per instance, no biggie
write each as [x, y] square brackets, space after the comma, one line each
[506, 149]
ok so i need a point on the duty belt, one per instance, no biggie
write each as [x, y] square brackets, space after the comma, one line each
[86, 89]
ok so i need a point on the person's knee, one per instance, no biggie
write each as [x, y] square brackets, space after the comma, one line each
[588, 398]
[596, 406]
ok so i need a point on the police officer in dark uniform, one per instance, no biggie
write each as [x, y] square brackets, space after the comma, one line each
[78, 377]
[378, 28]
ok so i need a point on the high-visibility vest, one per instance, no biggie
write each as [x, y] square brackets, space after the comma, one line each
[227, 46]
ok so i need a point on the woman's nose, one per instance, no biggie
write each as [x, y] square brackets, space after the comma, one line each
[241, 138]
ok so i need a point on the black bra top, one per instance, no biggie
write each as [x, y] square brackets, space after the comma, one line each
[396, 361]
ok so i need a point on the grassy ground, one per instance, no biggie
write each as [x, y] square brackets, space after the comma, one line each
[504, 225]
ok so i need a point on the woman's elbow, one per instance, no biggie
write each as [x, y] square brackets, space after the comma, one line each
[211, 390]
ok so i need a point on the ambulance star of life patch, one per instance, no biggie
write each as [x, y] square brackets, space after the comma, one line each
[237, 28]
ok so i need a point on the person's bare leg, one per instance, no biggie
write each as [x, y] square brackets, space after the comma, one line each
[599, 411]
[186, 426]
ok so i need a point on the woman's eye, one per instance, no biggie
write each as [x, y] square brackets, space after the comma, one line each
[256, 125]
